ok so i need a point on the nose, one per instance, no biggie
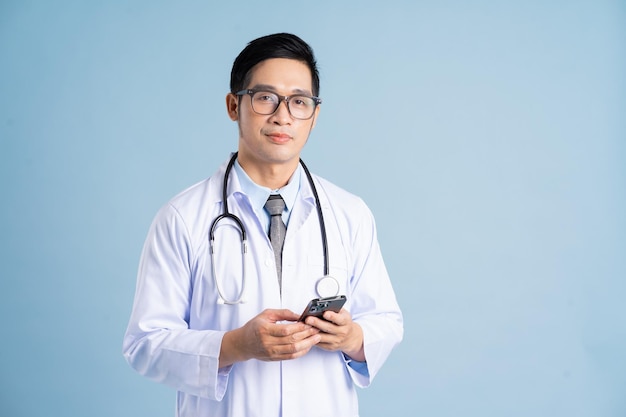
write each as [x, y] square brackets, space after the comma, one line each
[282, 114]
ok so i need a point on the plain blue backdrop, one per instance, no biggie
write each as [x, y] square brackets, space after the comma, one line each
[488, 138]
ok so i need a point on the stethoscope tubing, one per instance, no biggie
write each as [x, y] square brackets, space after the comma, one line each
[242, 230]
[320, 216]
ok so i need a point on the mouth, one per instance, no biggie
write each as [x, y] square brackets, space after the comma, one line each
[278, 137]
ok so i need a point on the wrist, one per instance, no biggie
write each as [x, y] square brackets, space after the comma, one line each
[356, 350]
[229, 349]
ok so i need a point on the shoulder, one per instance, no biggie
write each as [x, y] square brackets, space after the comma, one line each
[190, 209]
[193, 196]
[200, 198]
[340, 200]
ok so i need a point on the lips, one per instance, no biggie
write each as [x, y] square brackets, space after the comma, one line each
[279, 137]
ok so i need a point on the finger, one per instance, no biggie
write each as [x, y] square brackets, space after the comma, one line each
[329, 341]
[287, 331]
[304, 334]
[293, 350]
[296, 338]
[333, 317]
[342, 318]
[288, 315]
[280, 315]
[321, 324]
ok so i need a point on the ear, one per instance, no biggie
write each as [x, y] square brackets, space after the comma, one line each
[232, 106]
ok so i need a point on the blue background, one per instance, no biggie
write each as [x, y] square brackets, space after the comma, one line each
[488, 138]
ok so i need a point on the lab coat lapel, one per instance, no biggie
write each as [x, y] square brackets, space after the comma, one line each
[302, 209]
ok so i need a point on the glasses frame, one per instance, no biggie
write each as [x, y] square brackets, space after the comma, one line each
[251, 91]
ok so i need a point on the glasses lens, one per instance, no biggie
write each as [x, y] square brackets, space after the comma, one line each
[301, 107]
[264, 102]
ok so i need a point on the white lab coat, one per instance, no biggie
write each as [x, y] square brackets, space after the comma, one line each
[176, 325]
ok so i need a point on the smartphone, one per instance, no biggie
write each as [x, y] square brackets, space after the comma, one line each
[317, 306]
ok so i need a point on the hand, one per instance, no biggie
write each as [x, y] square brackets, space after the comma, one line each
[264, 339]
[339, 332]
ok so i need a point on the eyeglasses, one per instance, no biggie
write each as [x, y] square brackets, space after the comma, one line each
[265, 102]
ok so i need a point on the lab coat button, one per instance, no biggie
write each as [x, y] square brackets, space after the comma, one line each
[269, 262]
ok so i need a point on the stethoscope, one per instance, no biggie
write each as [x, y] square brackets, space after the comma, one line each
[326, 286]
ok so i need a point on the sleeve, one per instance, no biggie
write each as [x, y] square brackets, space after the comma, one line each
[158, 342]
[374, 306]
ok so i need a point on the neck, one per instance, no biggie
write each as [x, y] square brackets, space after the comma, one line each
[272, 176]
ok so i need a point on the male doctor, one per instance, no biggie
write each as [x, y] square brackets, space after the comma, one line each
[252, 357]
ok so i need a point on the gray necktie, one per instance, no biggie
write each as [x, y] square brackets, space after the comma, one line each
[275, 206]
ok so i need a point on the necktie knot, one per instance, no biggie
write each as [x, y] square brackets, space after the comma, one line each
[275, 205]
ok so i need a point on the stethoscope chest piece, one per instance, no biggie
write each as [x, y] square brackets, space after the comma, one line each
[327, 286]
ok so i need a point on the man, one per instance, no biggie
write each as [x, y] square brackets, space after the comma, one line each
[225, 332]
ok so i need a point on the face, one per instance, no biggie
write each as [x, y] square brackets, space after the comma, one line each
[276, 139]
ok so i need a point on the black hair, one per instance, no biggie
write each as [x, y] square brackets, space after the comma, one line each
[278, 45]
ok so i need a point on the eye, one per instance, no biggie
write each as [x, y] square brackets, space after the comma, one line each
[265, 97]
[301, 101]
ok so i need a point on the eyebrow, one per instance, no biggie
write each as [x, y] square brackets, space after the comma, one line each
[267, 87]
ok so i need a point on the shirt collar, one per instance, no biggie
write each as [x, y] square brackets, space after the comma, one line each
[258, 195]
